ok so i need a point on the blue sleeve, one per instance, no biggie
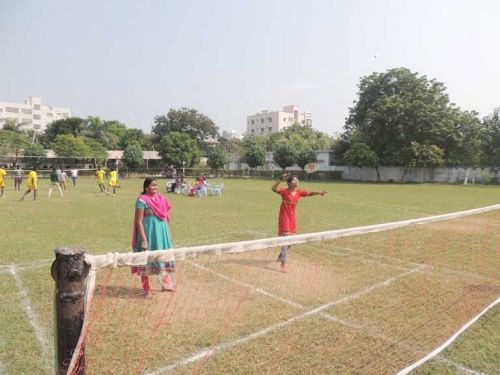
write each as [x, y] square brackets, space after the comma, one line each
[140, 205]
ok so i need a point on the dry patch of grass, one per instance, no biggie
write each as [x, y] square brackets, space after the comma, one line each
[315, 275]
[311, 346]
[131, 333]
[421, 310]
[469, 245]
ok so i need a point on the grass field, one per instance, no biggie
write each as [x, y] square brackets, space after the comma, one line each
[440, 276]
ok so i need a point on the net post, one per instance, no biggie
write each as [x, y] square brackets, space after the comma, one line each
[69, 272]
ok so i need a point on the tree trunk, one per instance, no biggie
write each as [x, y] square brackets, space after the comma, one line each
[404, 174]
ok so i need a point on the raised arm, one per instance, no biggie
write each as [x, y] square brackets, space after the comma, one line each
[322, 193]
[275, 186]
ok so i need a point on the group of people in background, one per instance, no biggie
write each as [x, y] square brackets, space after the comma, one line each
[190, 189]
[100, 174]
[58, 179]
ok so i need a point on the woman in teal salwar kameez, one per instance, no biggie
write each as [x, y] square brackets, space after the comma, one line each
[151, 232]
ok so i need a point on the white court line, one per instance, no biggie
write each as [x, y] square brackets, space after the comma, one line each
[448, 342]
[45, 346]
[328, 316]
[209, 351]
[458, 366]
[22, 266]
[427, 266]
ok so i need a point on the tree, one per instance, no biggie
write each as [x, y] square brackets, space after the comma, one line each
[73, 125]
[36, 154]
[300, 136]
[133, 156]
[188, 121]
[12, 143]
[95, 149]
[426, 155]
[179, 149]
[360, 155]
[399, 107]
[304, 157]
[284, 155]
[491, 143]
[216, 159]
[130, 136]
[67, 145]
[253, 154]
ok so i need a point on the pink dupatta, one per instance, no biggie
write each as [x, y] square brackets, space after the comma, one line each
[160, 207]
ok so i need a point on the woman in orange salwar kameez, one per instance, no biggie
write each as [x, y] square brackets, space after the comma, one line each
[287, 224]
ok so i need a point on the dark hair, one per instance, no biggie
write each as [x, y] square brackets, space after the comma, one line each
[290, 178]
[147, 182]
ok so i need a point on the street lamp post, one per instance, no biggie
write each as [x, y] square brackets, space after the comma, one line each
[183, 170]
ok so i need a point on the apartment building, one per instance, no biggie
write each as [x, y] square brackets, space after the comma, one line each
[32, 114]
[268, 122]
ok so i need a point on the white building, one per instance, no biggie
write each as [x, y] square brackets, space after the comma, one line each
[267, 122]
[231, 134]
[32, 114]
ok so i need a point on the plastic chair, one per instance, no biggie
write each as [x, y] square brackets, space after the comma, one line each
[218, 190]
[201, 192]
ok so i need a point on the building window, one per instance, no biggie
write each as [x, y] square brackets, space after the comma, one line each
[36, 126]
[262, 130]
[11, 110]
[36, 117]
[270, 119]
[1, 110]
[270, 129]
[284, 119]
[253, 122]
[261, 120]
[50, 115]
[253, 131]
[65, 115]
[37, 106]
[26, 111]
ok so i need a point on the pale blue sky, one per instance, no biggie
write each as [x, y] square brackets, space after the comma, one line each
[131, 60]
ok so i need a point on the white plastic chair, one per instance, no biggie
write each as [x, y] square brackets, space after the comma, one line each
[218, 190]
[201, 192]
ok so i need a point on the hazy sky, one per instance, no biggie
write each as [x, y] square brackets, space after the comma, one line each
[131, 60]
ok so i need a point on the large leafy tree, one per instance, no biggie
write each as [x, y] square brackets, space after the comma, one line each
[95, 148]
[12, 143]
[491, 125]
[399, 107]
[304, 157]
[35, 154]
[284, 155]
[179, 149]
[130, 136]
[216, 158]
[188, 121]
[360, 155]
[254, 154]
[73, 125]
[303, 136]
[67, 145]
[133, 156]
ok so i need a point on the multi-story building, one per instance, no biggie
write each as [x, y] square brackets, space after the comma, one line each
[268, 122]
[32, 114]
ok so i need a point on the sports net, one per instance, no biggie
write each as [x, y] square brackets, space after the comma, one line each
[361, 300]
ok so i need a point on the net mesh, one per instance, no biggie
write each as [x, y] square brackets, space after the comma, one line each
[374, 300]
